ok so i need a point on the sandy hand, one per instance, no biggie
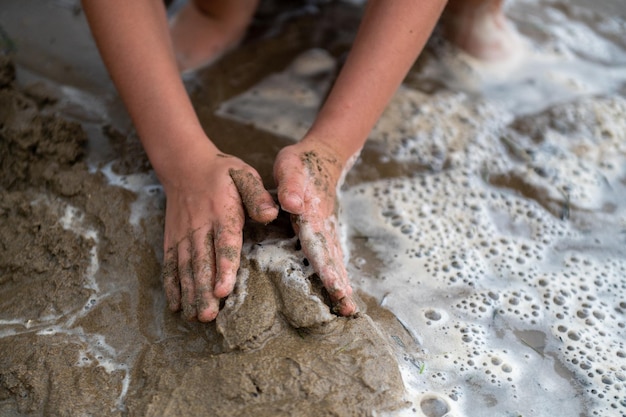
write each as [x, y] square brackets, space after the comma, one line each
[307, 177]
[203, 232]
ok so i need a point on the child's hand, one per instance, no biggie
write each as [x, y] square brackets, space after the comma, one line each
[204, 219]
[307, 176]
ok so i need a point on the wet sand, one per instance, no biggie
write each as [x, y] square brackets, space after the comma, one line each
[94, 332]
[485, 228]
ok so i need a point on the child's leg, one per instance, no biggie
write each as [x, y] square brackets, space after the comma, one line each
[480, 28]
[203, 29]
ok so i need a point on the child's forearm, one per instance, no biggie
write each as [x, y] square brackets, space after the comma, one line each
[134, 42]
[391, 35]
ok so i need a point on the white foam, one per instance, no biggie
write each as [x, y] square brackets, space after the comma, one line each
[272, 255]
[479, 300]
[565, 60]
[73, 220]
[509, 302]
[144, 185]
[485, 276]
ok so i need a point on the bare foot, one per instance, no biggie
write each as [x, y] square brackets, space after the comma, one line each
[480, 28]
[203, 30]
[307, 177]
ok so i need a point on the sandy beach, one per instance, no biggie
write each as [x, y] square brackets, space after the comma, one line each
[484, 225]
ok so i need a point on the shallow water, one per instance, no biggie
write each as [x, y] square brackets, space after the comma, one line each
[486, 212]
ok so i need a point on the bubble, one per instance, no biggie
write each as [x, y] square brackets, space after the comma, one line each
[397, 220]
[584, 313]
[432, 315]
[407, 229]
[573, 335]
[607, 380]
[90, 303]
[433, 406]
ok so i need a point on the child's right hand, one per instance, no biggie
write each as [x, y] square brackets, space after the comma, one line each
[204, 218]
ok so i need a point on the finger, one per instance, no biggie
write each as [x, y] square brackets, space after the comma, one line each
[323, 250]
[291, 180]
[345, 307]
[185, 272]
[203, 261]
[296, 220]
[171, 282]
[257, 200]
[228, 255]
[334, 278]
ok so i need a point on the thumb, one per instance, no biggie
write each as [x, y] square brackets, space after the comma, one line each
[257, 200]
[290, 177]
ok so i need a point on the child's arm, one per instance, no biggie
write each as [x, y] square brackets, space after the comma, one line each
[204, 213]
[391, 35]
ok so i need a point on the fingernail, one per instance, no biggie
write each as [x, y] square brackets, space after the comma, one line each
[295, 200]
[207, 315]
[222, 289]
[345, 307]
[266, 207]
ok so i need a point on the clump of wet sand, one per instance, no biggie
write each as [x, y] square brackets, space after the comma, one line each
[279, 358]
